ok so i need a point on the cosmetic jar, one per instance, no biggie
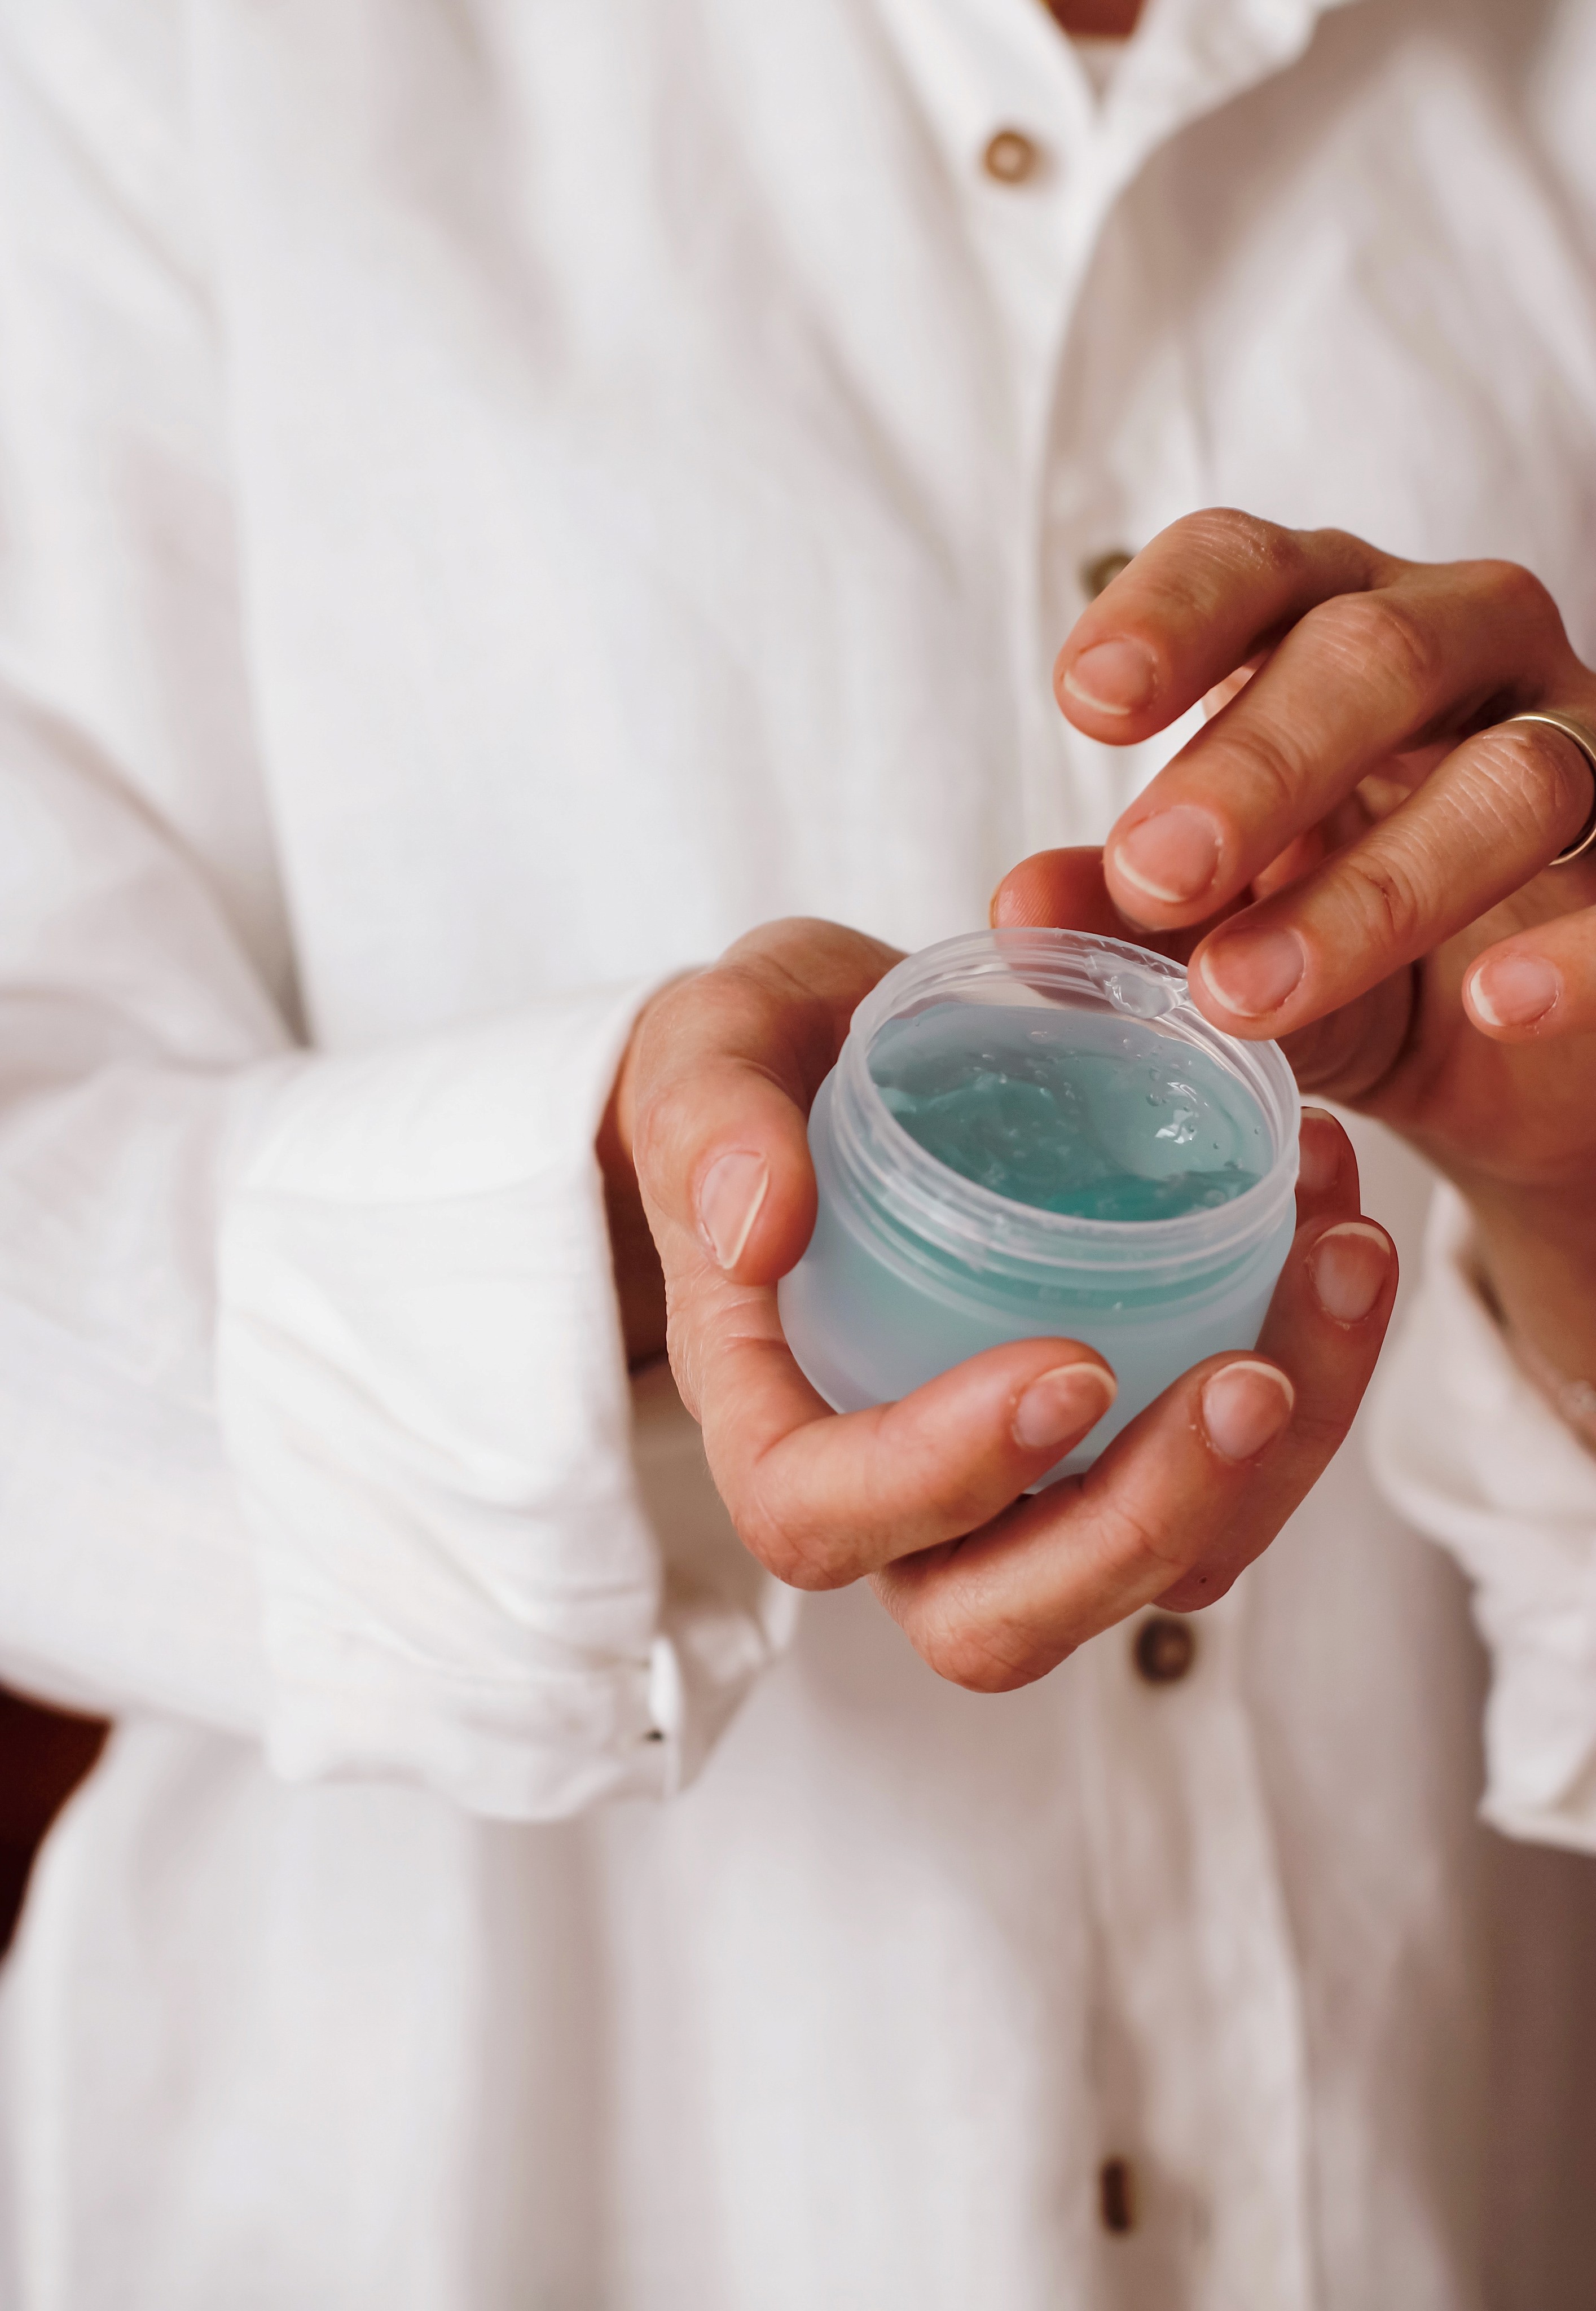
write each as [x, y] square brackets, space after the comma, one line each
[1036, 1132]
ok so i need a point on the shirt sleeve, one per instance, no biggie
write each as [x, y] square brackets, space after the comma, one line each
[315, 1421]
[1470, 1452]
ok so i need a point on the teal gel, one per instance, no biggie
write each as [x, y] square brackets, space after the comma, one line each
[1103, 1118]
[1037, 1133]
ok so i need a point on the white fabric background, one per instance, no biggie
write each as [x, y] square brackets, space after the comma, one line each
[494, 501]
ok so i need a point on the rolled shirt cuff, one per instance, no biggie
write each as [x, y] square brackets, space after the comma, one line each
[423, 1393]
[1471, 1451]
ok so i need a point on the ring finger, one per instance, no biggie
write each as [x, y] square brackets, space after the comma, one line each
[1491, 817]
[1361, 677]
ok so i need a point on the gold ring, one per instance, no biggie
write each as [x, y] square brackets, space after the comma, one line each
[1587, 746]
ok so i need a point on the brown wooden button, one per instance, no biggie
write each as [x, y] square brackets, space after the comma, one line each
[1012, 157]
[1116, 2195]
[1164, 1649]
[1098, 575]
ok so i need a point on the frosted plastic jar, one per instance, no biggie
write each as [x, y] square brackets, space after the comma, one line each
[912, 1267]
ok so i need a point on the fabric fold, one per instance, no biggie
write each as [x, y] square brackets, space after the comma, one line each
[1469, 1451]
[422, 1390]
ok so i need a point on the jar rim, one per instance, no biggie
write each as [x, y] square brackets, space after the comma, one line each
[887, 1175]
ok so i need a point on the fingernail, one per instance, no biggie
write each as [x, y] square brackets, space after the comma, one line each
[1348, 1268]
[734, 1189]
[1244, 1407]
[1172, 856]
[1115, 677]
[1514, 990]
[1252, 973]
[1062, 1403]
[1319, 1151]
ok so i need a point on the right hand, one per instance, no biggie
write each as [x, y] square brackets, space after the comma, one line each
[928, 1498]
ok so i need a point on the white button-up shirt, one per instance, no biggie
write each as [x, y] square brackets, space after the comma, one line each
[495, 501]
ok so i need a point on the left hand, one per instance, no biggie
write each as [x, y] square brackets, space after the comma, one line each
[930, 1497]
[1354, 855]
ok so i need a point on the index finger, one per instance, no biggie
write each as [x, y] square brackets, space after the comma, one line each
[1210, 592]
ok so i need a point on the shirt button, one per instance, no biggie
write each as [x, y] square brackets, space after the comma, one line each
[1116, 2195]
[1098, 574]
[1164, 1650]
[1011, 157]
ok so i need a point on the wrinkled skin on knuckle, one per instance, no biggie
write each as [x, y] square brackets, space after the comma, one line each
[1380, 634]
[1228, 536]
[1264, 774]
[809, 960]
[1390, 908]
[797, 1551]
[1278, 554]
[1216, 545]
[796, 1024]
[762, 996]
[1528, 762]
[951, 1638]
[1128, 1539]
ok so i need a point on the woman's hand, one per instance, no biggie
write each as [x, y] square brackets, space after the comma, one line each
[928, 1497]
[1354, 853]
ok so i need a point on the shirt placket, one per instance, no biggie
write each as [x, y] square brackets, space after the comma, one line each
[1020, 130]
[1202, 2086]
[1201, 2078]
[1125, 452]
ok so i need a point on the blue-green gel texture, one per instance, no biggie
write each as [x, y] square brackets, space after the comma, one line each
[1105, 1119]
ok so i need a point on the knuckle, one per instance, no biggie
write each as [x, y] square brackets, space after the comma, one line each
[754, 992]
[777, 1010]
[1517, 591]
[1128, 1537]
[745, 974]
[1280, 553]
[1383, 640]
[1264, 774]
[771, 945]
[1193, 565]
[1383, 891]
[1133, 1538]
[1232, 539]
[798, 1554]
[964, 1652]
[1539, 769]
